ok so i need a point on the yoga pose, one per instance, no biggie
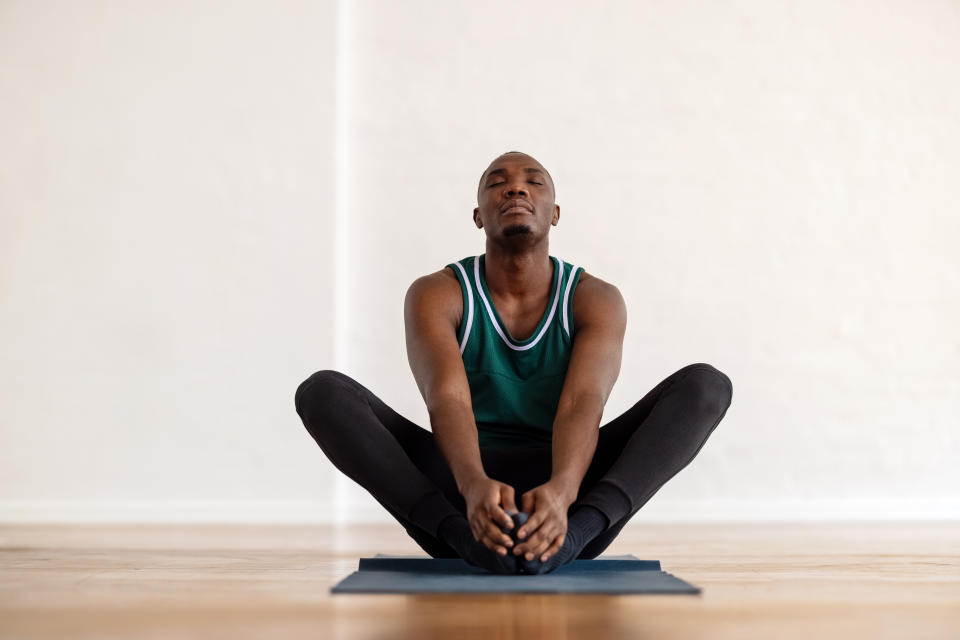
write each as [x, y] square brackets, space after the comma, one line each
[515, 352]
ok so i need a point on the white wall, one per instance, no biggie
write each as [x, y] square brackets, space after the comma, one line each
[769, 184]
[168, 174]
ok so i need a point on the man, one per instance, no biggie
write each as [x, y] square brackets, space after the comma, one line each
[515, 353]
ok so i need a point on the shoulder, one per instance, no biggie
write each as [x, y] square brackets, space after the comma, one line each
[594, 290]
[437, 293]
[597, 300]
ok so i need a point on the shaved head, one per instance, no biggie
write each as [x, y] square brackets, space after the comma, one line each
[533, 166]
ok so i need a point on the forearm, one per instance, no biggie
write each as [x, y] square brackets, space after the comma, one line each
[575, 432]
[456, 434]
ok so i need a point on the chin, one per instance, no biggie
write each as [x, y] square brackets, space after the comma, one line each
[516, 230]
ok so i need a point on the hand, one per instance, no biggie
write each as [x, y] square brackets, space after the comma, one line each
[487, 504]
[544, 533]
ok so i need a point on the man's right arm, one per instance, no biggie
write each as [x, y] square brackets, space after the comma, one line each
[431, 310]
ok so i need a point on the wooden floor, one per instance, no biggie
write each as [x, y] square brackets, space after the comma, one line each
[759, 581]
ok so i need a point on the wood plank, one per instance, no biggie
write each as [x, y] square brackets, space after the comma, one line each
[212, 581]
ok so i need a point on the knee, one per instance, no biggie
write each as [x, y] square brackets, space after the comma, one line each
[319, 388]
[710, 388]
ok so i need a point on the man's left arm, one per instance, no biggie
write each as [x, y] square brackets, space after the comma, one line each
[600, 320]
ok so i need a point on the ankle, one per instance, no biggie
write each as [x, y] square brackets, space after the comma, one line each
[586, 522]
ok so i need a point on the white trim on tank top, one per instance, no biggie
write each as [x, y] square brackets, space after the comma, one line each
[493, 319]
[466, 332]
[566, 298]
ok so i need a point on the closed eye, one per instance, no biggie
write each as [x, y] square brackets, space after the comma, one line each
[497, 184]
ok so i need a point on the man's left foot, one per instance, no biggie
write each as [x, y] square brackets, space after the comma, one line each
[583, 525]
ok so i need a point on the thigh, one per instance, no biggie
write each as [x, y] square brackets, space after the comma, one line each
[613, 436]
[418, 443]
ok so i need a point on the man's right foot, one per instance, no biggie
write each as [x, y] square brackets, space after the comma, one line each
[456, 532]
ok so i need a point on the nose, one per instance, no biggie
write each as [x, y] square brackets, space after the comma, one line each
[514, 191]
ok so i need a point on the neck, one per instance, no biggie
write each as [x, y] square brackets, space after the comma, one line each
[518, 274]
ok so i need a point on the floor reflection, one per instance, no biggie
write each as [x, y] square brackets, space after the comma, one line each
[491, 617]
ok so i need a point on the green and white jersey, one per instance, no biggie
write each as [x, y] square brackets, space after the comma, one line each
[515, 385]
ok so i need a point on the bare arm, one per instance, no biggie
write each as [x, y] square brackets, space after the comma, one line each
[432, 310]
[600, 321]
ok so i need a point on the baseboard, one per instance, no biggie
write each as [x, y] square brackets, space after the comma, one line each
[368, 511]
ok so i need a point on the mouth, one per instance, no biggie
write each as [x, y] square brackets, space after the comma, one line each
[517, 206]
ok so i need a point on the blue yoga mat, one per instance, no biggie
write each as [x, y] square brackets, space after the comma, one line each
[412, 574]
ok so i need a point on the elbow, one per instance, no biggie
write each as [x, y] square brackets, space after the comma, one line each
[588, 403]
[446, 398]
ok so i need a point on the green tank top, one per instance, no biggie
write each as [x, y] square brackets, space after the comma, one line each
[515, 385]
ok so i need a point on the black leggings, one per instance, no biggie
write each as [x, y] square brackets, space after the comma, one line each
[401, 466]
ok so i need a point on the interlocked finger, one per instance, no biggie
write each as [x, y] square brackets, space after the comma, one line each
[496, 539]
[544, 543]
[555, 547]
[530, 526]
[539, 541]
